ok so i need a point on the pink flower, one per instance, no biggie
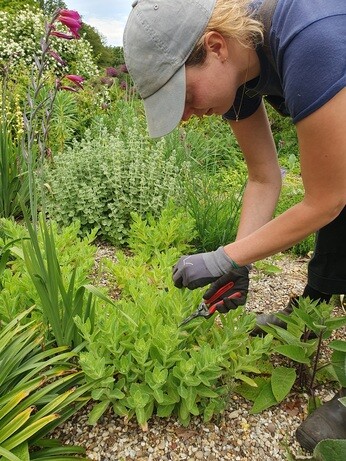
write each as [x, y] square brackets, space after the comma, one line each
[62, 35]
[123, 69]
[68, 88]
[111, 72]
[71, 14]
[72, 20]
[76, 79]
[57, 57]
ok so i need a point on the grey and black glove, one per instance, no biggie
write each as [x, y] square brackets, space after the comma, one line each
[198, 270]
[240, 279]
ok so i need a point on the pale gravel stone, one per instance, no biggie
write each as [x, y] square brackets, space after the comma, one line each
[235, 435]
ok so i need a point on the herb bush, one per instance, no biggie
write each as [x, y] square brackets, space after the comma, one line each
[102, 179]
[146, 363]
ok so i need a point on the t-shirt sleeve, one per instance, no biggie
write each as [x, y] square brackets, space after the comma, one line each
[314, 66]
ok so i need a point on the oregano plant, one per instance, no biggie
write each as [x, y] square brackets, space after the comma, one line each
[147, 364]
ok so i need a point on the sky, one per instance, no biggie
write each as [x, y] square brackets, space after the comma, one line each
[108, 17]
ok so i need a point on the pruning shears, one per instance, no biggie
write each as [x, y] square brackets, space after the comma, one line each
[208, 307]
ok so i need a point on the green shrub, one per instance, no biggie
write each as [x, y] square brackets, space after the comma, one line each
[146, 363]
[104, 178]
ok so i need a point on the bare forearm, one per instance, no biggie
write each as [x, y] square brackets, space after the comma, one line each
[279, 234]
[259, 203]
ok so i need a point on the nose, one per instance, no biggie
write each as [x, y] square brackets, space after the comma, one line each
[189, 111]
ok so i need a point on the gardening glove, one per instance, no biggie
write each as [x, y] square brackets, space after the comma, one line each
[198, 270]
[240, 278]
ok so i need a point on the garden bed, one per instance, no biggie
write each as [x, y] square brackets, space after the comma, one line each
[236, 434]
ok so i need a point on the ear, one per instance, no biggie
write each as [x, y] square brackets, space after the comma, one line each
[216, 43]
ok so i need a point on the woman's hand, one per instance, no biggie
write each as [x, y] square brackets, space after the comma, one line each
[193, 271]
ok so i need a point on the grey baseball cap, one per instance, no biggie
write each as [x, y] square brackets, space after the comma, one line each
[158, 38]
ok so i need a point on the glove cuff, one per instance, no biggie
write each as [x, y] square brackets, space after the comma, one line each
[219, 262]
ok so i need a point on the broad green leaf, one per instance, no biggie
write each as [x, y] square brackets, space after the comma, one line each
[330, 450]
[246, 379]
[282, 380]
[98, 411]
[338, 345]
[206, 391]
[251, 392]
[296, 353]
[164, 411]
[209, 412]
[336, 322]
[339, 366]
[190, 398]
[264, 400]
[158, 395]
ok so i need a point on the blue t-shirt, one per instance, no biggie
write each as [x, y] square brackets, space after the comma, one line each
[308, 44]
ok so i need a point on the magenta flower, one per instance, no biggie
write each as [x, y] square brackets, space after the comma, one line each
[71, 14]
[57, 57]
[72, 20]
[111, 72]
[62, 35]
[123, 69]
[76, 79]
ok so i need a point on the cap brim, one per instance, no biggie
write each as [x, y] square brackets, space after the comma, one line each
[165, 108]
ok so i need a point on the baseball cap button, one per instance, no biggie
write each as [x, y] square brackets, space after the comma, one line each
[134, 3]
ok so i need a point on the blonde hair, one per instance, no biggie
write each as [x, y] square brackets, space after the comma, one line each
[232, 19]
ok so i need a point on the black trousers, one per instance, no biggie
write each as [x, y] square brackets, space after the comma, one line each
[327, 268]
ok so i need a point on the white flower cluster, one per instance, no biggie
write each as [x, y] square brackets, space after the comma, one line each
[20, 42]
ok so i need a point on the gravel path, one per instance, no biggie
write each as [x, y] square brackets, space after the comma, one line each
[236, 434]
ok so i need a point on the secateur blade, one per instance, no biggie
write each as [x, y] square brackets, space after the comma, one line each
[201, 311]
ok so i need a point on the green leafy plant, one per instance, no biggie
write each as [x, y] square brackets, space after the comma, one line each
[214, 206]
[326, 450]
[338, 360]
[131, 175]
[60, 304]
[75, 260]
[149, 365]
[294, 344]
[39, 389]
